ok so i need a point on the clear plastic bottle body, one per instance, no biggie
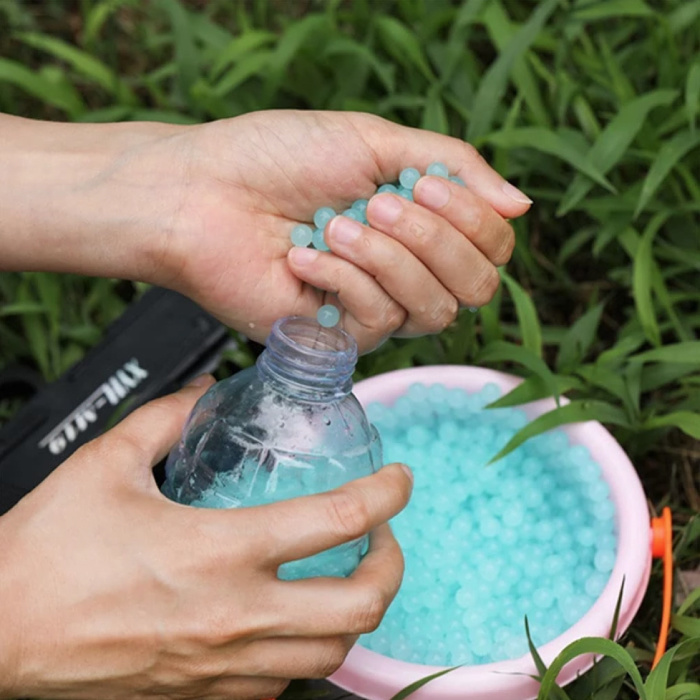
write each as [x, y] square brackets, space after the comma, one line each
[287, 427]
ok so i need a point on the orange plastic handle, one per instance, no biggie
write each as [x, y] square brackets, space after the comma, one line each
[662, 547]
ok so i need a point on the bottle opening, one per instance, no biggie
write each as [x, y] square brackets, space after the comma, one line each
[307, 355]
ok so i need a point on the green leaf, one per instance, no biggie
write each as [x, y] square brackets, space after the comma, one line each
[82, 62]
[608, 9]
[591, 645]
[341, 46]
[614, 141]
[535, 388]
[657, 680]
[59, 94]
[668, 156]
[254, 63]
[493, 84]
[98, 15]
[574, 412]
[410, 689]
[692, 94]
[579, 338]
[689, 626]
[22, 308]
[683, 691]
[686, 421]
[296, 36]
[527, 315]
[186, 53]
[551, 143]
[690, 602]
[241, 46]
[500, 351]
[687, 352]
[403, 45]
[434, 114]
[642, 281]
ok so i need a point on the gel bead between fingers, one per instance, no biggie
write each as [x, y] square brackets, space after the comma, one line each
[485, 545]
[408, 178]
[438, 169]
[301, 235]
[328, 316]
[322, 216]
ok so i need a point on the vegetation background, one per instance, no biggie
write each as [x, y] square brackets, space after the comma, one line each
[589, 106]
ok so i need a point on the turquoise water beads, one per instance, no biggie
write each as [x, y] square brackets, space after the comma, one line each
[487, 544]
[304, 235]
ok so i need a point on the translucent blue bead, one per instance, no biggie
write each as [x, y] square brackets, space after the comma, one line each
[408, 177]
[437, 168]
[387, 188]
[319, 241]
[361, 206]
[406, 194]
[595, 583]
[604, 560]
[328, 315]
[353, 214]
[458, 180]
[322, 216]
[301, 235]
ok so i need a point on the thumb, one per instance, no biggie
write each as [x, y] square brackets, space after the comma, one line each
[154, 428]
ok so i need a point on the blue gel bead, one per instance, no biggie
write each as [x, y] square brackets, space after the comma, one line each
[360, 205]
[595, 584]
[387, 188]
[458, 180]
[437, 168]
[406, 194]
[319, 240]
[353, 214]
[603, 510]
[301, 235]
[328, 316]
[408, 177]
[604, 560]
[322, 216]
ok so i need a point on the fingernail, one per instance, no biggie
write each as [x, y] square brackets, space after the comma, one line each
[201, 380]
[408, 471]
[432, 192]
[514, 193]
[384, 209]
[344, 230]
[303, 256]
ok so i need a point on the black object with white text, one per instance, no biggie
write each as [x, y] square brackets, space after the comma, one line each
[158, 344]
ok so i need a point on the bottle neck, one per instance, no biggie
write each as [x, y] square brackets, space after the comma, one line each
[305, 360]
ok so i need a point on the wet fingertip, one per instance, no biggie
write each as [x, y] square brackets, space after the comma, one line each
[201, 381]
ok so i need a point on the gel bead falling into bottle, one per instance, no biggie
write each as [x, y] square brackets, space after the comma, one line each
[287, 427]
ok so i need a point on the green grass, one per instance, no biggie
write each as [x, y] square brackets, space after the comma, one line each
[591, 107]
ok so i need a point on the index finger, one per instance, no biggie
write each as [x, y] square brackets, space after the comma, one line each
[396, 147]
[300, 527]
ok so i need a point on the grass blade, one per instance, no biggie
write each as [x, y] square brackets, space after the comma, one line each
[493, 85]
[401, 43]
[592, 645]
[686, 421]
[527, 315]
[574, 412]
[642, 281]
[551, 143]
[669, 155]
[692, 94]
[578, 339]
[614, 141]
[410, 689]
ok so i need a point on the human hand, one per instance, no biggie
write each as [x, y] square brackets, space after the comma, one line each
[254, 177]
[208, 210]
[109, 590]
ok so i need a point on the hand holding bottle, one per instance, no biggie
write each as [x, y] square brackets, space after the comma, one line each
[109, 590]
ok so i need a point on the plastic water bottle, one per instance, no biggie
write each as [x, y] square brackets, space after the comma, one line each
[289, 426]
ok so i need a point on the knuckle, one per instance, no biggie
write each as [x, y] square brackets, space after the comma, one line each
[331, 658]
[348, 513]
[442, 315]
[485, 286]
[469, 152]
[369, 614]
[506, 247]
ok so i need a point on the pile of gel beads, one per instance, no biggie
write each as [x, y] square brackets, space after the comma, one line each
[312, 235]
[487, 544]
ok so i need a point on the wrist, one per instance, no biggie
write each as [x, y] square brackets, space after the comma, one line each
[84, 198]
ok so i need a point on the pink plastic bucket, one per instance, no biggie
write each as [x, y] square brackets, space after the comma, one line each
[378, 677]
